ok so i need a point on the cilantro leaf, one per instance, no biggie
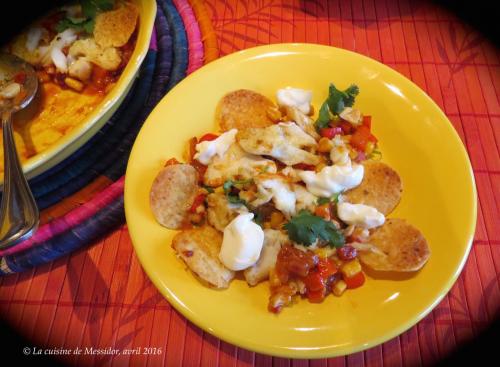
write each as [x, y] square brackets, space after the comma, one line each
[234, 199]
[350, 95]
[79, 24]
[333, 199]
[209, 189]
[231, 197]
[322, 201]
[323, 116]
[305, 228]
[90, 9]
[88, 26]
[335, 103]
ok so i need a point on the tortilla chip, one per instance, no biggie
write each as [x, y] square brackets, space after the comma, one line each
[244, 108]
[114, 28]
[399, 247]
[381, 188]
[172, 194]
[199, 248]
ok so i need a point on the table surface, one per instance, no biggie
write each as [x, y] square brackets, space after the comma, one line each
[100, 297]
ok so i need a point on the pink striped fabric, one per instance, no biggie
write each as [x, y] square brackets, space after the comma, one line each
[193, 34]
[71, 219]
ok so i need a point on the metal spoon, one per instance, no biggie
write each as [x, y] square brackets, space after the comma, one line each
[19, 215]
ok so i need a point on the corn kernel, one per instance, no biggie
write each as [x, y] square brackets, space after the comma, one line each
[369, 147]
[324, 145]
[324, 252]
[339, 287]
[353, 154]
[276, 220]
[351, 268]
[74, 84]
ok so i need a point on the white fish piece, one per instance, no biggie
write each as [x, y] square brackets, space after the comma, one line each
[283, 141]
[236, 164]
[278, 189]
[295, 97]
[207, 150]
[273, 240]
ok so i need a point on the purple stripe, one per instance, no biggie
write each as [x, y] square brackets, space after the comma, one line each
[152, 44]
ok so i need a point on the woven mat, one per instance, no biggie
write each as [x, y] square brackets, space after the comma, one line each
[81, 198]
[100, 297]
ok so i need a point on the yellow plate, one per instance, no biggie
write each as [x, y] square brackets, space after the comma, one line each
[416, 139]
[78, 136]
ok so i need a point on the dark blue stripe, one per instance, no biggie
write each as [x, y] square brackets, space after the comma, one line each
[180, 43]
[91, 230]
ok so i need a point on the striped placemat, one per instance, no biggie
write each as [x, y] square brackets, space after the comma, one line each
[81, 198]
[100, 298]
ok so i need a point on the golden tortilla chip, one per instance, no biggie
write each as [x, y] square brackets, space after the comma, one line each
[244, 108]
[381, 188]
[399, 246]
[172, 194]
[199, 248]
[114, 28]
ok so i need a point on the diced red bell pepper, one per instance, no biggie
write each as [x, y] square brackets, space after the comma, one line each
[326, 268]
[316, 296]
[201, 168]
[192, 147]
[361, 137]
[171, 162]
[198, 200]
[323, 211]
[314, 282]
[20, 77]
[355, 281]
[330, 132]
[367, 121]
[304, 166]
[346, 127]
[208, 137]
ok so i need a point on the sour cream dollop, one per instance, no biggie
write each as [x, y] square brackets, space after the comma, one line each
[333, 179]
[361, 215]
[295, 97]
[207, 150]
[242, 243]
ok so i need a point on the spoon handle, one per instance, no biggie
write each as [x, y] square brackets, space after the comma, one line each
[19, 216]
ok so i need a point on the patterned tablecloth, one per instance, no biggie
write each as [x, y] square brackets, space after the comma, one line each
[100, 297]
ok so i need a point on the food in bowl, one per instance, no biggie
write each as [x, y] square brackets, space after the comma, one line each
[79, 52]
[277, 195]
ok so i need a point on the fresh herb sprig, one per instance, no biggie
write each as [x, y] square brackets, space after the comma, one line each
[335, 103]
[228, 190]
[332, 199]
[90, 9]
[306, 228]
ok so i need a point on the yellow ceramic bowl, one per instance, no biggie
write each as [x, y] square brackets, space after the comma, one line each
[93, 122]
[416, 139]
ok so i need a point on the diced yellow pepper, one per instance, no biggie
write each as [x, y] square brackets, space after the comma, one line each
[339, 287]
[351, 268]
